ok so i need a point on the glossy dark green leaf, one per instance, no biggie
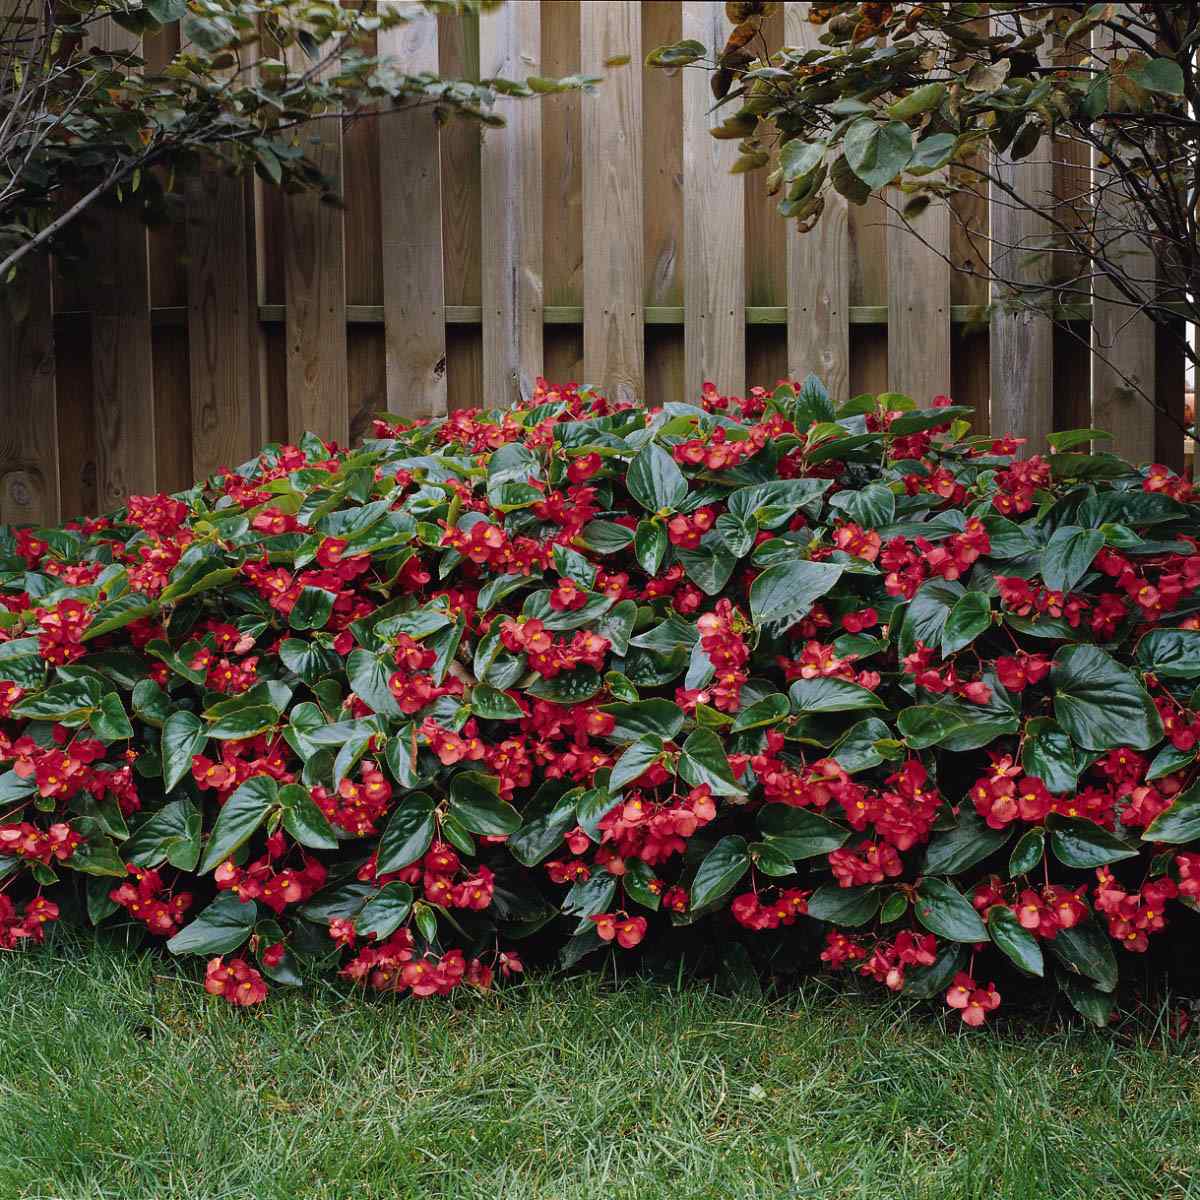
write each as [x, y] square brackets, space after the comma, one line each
[1027, 853]
[654, 480]
[384, 912]
[661, 718]
[239, 817]
[110, 721]
[544, 822]
[183, 735]
[1086, 950]
[407, 835]
[800, 832]
[304, 820]
[219, 929]
[970, 616]
[641, 884]
[1171, 653]
[369, 674]
[848, 907]
[703, 762]
[770, 710]
[1068, 555]
[927, 614]
[171, 834]
[1016, 942]
[1100, 703]
[783, 594]
[969, 842]
[475, 803]
[1083, 844]
[720, 871]
[635, 760]
[825, 694]
[1180, 822]
[494, 705]
[946, 912]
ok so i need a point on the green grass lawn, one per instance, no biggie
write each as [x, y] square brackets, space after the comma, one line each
[121, 1078]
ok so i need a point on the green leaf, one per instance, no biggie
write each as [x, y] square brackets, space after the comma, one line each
[369, 674]
[926, 725]
[1014, 940]
[654, 480]
[1086, 950]
[650, 545]
[662, 718]
[859, 749]
[943, 910]
[1083, 844]
[312, 609]
[1164, 76]
[877, 153]
[170, 835]
[183, 735]
[569, 687]
[1049, 755]
[239, 817]
[969, 842]
[927, 614]
[709, 566]
[1027, 853]
[1100, 703]
[606, 537]
[970, 616]
[1179, 823]
[784, 593]
[800, 832]
[635, 761]
[493, 705]
[244, 722]
[475, 803]
[219, 929]
[924, 983]
[1171, 653]
[720, 871]
[830, 695]
[304, 820]
[544, 822]
[407, 835]
[639, 882]
[310, 660]
[770, 710]
[110, 721]
[1068, 555]
[772, 504]
[737, 533]
[385, 912]
[703, 761]
[1090, 1002]
[841, 906]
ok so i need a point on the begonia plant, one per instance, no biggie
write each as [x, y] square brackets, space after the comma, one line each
[782, 679]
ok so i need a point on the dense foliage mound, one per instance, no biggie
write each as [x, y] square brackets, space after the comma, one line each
[761, 680]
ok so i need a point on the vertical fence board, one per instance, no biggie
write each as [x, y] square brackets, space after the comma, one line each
[29, 463]
[714, 217]
[818, 269]
[122, 357]
[919, 302]
[410, 182]
[1123, 340]
[222, 302]
[613, 230]
[662, 123]
[511, 182]
[318, 398]
[1022, 373]
[562, 169]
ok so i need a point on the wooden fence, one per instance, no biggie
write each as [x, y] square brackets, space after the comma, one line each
[595, 238]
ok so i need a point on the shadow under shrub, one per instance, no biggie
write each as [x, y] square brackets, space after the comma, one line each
[764, 684]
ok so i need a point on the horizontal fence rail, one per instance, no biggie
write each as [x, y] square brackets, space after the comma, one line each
[595, 238]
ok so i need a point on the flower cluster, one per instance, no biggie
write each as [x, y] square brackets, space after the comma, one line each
[574, 677]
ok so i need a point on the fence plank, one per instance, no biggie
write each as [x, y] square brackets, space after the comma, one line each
[1022, 368]
[122, 354]
[318, 395]
[613, 230]
[818, 269]
[410, 184]
[1123, 378]
[29, 471]
[227, 424]
[714, 227]
[919, 302]
[511, 177]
